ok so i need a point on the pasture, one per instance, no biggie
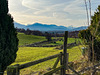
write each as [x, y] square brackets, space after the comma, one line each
[70, 40]
[28, 54]
[29, 39]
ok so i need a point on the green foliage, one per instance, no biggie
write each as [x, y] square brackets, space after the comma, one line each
[29, 39]
[94, 28]
[92, 35]
[8, 37]
[96, 49]
[95, 23]
[95, 31]
[85, 35]
[3, 7]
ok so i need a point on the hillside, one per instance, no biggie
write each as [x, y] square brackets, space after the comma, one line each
[28, 39]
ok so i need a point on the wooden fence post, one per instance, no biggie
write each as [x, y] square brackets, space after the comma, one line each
[13, 70]
[61, 63]
[17, 69]
[65, 59]
[67, 56]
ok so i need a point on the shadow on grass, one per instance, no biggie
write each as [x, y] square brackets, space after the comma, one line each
[71, 46]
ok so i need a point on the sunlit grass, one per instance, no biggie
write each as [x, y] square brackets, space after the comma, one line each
[29, 39]
[28, 54]
[70, 40]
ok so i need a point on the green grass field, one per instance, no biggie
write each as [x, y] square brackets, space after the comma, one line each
[29, 39]
[28, 54]
[70, 40]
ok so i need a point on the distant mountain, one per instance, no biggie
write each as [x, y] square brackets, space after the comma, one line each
[80, 28]
[70, 27]
[45, 27]
[18, 25]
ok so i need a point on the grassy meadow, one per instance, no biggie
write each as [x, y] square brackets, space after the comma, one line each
[29, 39]
[28, 54]
[70, 40]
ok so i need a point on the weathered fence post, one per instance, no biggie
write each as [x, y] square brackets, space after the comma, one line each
[61, 63]
[65, 58]
[13, 70]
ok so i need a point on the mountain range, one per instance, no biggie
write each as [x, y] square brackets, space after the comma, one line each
[45, 27]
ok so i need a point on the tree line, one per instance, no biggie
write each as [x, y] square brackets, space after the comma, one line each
[38, 33]
[71, 34]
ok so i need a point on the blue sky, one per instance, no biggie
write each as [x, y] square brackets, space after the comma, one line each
[59, 12]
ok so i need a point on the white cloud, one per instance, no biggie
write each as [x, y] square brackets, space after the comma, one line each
[60, 12]
[16, 6]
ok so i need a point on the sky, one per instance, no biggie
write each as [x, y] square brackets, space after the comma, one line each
[59, 12]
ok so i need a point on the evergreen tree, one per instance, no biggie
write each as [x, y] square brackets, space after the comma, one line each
[95, 23]
[92, 36]
[8, 37]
